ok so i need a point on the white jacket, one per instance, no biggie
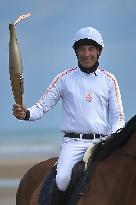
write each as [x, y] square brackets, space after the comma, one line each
[91, 104]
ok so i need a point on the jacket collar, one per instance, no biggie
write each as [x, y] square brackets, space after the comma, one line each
[92, 69]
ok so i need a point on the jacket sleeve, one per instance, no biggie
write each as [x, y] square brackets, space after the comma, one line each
[117, 117]
[51, 96]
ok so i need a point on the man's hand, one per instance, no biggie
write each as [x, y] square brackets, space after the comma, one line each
[19, 111]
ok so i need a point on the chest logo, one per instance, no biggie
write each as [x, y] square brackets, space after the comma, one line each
[88, 97]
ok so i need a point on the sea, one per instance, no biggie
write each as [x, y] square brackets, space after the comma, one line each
[28, 143]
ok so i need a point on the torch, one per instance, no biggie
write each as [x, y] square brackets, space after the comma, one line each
[15, 63]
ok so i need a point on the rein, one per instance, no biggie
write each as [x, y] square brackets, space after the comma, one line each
[126, 154]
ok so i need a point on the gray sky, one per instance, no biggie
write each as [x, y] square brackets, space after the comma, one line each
[45, 40]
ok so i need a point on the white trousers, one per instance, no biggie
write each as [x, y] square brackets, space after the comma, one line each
[72, 151]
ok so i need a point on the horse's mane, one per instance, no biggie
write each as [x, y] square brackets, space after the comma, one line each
[115, 141]
[100, 152]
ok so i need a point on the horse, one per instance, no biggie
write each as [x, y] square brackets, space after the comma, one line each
[110, 176]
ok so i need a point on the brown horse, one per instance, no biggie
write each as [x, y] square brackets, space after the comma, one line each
[113, 173]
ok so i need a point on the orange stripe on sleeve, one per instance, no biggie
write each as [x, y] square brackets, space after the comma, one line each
[117, 91]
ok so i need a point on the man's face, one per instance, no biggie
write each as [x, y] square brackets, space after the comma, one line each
[87, 55]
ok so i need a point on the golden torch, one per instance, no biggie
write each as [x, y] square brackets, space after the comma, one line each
[15, 64]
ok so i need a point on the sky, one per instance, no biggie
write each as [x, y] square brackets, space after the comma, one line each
[45, 41]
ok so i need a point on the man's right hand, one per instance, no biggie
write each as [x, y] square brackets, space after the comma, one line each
[19, 111]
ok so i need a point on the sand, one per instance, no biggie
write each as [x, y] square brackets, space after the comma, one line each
[14, 167]
[10, 172]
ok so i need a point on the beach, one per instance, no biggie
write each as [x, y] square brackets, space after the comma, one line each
[20, 151]
[10, 175]
[12, 169]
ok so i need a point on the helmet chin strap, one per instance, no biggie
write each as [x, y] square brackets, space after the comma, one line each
[92, 69]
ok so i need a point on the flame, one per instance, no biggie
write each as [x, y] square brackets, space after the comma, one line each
[22, 17]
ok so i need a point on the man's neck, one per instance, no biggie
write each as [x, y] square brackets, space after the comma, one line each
[92, 69]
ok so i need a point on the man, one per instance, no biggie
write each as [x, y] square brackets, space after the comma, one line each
[91, 102]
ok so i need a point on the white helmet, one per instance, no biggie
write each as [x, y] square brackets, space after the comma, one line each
[88, 33]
